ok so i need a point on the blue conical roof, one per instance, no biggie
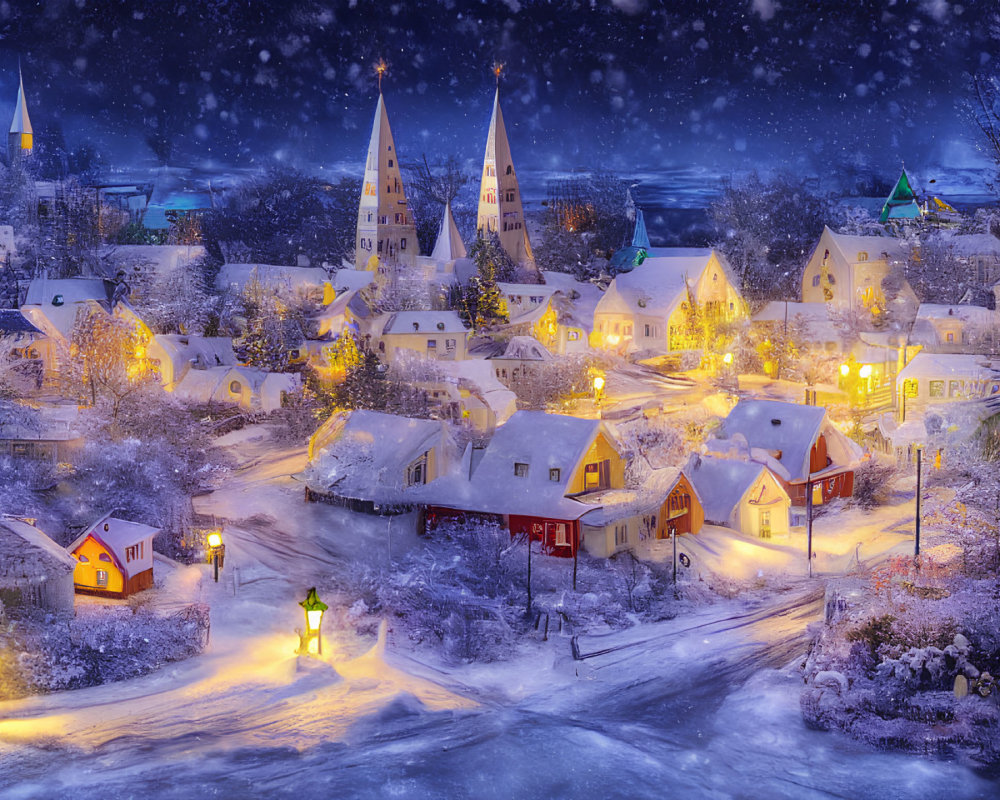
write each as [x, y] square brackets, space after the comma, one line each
[640, 238]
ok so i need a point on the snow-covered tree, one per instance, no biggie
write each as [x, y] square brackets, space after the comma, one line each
[766, 229]
[111, 352]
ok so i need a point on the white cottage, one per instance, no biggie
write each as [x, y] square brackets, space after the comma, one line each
[741, 494]
[653, 306]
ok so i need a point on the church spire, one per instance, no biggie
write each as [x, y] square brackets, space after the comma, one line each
[500, 209]
[20, 140]
[449, 245]
[386, 236]
[640, 238]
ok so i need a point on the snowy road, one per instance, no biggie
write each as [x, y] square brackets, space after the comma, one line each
[703, 706]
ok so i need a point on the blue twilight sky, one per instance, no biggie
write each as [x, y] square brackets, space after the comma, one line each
[628, 84]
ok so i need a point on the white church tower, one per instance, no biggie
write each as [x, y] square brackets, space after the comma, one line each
[386, 238]
[21, 139]
[500, 207]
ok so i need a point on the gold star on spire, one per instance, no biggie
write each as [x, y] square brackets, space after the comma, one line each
[380, 69]
[497, 69]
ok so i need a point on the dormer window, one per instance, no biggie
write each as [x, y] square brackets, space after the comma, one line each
[520, 469]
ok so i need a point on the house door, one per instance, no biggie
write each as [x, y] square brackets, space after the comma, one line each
[764, 524]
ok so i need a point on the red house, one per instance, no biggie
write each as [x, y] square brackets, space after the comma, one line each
[797, 443]
[532, 472]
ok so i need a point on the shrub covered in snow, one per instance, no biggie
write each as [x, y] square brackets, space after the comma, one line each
[463, 593]
[872, 481]
[908, 666]
[101, 644]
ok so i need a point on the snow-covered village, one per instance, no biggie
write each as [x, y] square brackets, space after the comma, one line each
[589, 398]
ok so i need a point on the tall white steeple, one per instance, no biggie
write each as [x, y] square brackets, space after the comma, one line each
[387, 236]
[500, 207]
[20, 140]
[449, 245]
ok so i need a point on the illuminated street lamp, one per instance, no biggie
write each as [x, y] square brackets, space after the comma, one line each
[727, 359]
[845, 369]
[216, 552]
[314, 608]
[598, 384]
[865, 371]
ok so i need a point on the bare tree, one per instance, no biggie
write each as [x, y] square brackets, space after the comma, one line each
[984, 108]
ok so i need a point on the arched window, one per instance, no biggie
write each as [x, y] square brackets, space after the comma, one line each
[862, 256]
[510, 169]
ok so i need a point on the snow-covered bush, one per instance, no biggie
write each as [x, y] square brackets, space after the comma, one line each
[872, 481]
[99, 645]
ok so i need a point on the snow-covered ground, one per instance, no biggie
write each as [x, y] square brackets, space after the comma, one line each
[706, 704]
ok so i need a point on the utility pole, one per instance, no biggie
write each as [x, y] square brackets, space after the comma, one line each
[916, 538]
[529, 571]
[809, 524]
[673, 537]
[576, 549]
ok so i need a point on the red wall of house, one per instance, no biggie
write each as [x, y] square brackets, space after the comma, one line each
[542, 532]
[839, 485]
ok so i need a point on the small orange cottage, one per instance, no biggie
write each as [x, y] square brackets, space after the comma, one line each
[114, 558]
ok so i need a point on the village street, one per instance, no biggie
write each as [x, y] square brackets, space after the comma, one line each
[707, 703]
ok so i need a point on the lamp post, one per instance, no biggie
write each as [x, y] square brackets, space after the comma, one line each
[916, 537]
[216, 552]
[598, 384]
[314, 608]
[809, 523]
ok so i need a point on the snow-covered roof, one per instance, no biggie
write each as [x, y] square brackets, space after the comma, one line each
[976, 315]
[788, 432]
[850, 245]
[968, 244]
[13, 321]
[721, 483]
[544, 442]
[656, 286]
[364, 454]
[479, 374]
[33, 537]
[618, 504]
[449, 245]
[351, 279]
[423, 322]
[576, 311]
[815, 318]
[274, 276]
[525, 348]
[944, 365]
[205, 351]
[45, 424]
[115, 534]
[199, 385]
[165, 258]
[54, 303]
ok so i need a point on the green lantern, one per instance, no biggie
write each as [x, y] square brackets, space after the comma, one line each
[312, 639]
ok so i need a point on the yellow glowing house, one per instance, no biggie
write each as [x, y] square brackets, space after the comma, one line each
[114, 558]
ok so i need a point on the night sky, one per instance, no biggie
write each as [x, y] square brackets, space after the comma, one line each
[626, 84]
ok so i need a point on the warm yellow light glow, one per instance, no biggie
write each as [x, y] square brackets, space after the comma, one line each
[865, 371]
[215, 540]
[614, 339]
[314, 618]
[845, 370]
[727, 359]
[598, 383]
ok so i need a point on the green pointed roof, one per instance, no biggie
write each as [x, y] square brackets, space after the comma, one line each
[902, 203]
